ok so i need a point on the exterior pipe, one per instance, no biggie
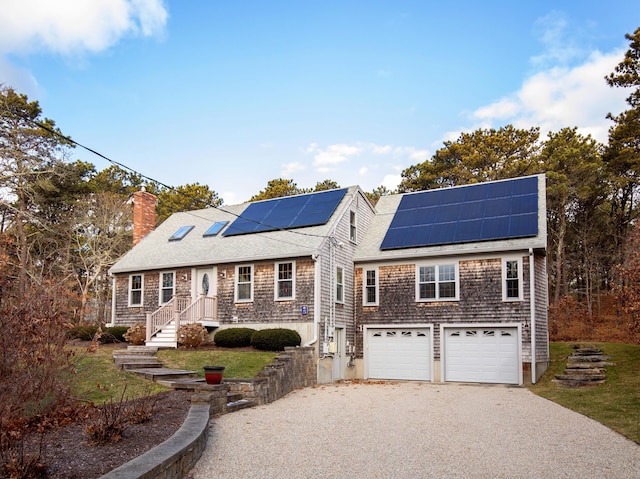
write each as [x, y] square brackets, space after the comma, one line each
[316, 300]
[113, 301]
[532, 298]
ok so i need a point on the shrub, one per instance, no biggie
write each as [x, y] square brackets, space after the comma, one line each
[192, 335]
[84, 332]
[234, 337]
[275, 339]
[114, 334]
[137, 334]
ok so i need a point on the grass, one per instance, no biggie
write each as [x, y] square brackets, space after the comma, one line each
[98, 380]
[238, 364]
[616, 403]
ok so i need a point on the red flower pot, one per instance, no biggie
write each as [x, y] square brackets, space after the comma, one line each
[213, 374]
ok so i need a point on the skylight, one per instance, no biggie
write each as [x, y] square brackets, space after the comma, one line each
[215, 228]
[181, 233]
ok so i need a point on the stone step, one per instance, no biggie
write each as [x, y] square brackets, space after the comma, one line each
[585, 359]
[149, 351]
[140, 365]
[581, 377]
[592, 365]
[576, 384]
[240, 404]
[163, 374]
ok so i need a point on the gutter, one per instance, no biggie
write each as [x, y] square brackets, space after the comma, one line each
[532, 299]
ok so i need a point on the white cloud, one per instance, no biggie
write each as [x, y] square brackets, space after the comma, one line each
[391, 181]
[333, 155]
[289, 168]
[363, 171]
[76, 26]
[562, 97]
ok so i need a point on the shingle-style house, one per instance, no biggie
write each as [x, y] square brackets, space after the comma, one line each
[285, 262]
[434, 285]
[452, 285]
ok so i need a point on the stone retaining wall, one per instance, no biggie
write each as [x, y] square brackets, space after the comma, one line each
[174, 458]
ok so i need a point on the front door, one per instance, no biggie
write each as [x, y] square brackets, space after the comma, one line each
[206, 285]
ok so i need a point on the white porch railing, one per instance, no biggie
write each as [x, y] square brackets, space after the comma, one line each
[183, 311]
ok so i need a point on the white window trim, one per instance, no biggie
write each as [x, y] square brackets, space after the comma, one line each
[339, 301]
[136, 305]
[160, 288]
[437, 281]
[277, 280]
[504, 279]
[364, 287]
[235, 287]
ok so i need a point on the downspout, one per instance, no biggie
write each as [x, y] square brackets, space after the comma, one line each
[113, 301]
[316, 300]
[532, 299]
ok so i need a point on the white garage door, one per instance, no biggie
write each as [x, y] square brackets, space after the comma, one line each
[481, 355]
[399, 353]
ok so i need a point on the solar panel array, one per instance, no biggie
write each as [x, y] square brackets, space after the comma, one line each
[287, 213]
[480, 212]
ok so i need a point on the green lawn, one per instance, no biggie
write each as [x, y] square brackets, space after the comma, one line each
[238, 364]
[616, 403]
[98, 380]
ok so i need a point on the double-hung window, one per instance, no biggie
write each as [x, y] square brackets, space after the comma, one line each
[244, 283]
[339, 285]
[285, 280]
[136, 287]
[167, 285]
[512, 279]
[370, 293]
[437, 282]
[353, 227]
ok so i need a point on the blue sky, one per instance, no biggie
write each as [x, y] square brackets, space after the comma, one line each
[234, 94]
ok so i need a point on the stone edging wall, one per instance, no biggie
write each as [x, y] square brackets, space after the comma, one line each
[174, 458]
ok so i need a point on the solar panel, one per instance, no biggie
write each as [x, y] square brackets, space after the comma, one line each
[481, 212]
[286, 213]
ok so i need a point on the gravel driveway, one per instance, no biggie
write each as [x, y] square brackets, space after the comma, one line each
[414, 430]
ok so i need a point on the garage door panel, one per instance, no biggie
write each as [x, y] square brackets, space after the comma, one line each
[488, 355]
[399, 353]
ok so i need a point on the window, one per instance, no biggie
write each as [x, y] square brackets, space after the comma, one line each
[215, 228]
[370, 287]
[136, 285]
[352, 227]
[285, 280]
[181, 233]
[512, 280]
[339, 285]
[244, 283]
[437, 282]
[166, 287]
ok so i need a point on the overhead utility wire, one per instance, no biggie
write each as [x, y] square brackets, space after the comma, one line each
[121, 165]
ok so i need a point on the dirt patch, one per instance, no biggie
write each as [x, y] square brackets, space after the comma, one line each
[68, 455]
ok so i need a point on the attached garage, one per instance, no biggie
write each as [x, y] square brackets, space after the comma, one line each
[399, 353]
[481, 354]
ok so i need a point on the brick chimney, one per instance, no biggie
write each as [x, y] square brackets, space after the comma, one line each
[144, 214]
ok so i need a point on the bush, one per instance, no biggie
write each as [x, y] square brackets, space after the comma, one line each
[192, 335]
[234, 337]
[275, 339]
[114, 334]
[137, 334]
[84, 332]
